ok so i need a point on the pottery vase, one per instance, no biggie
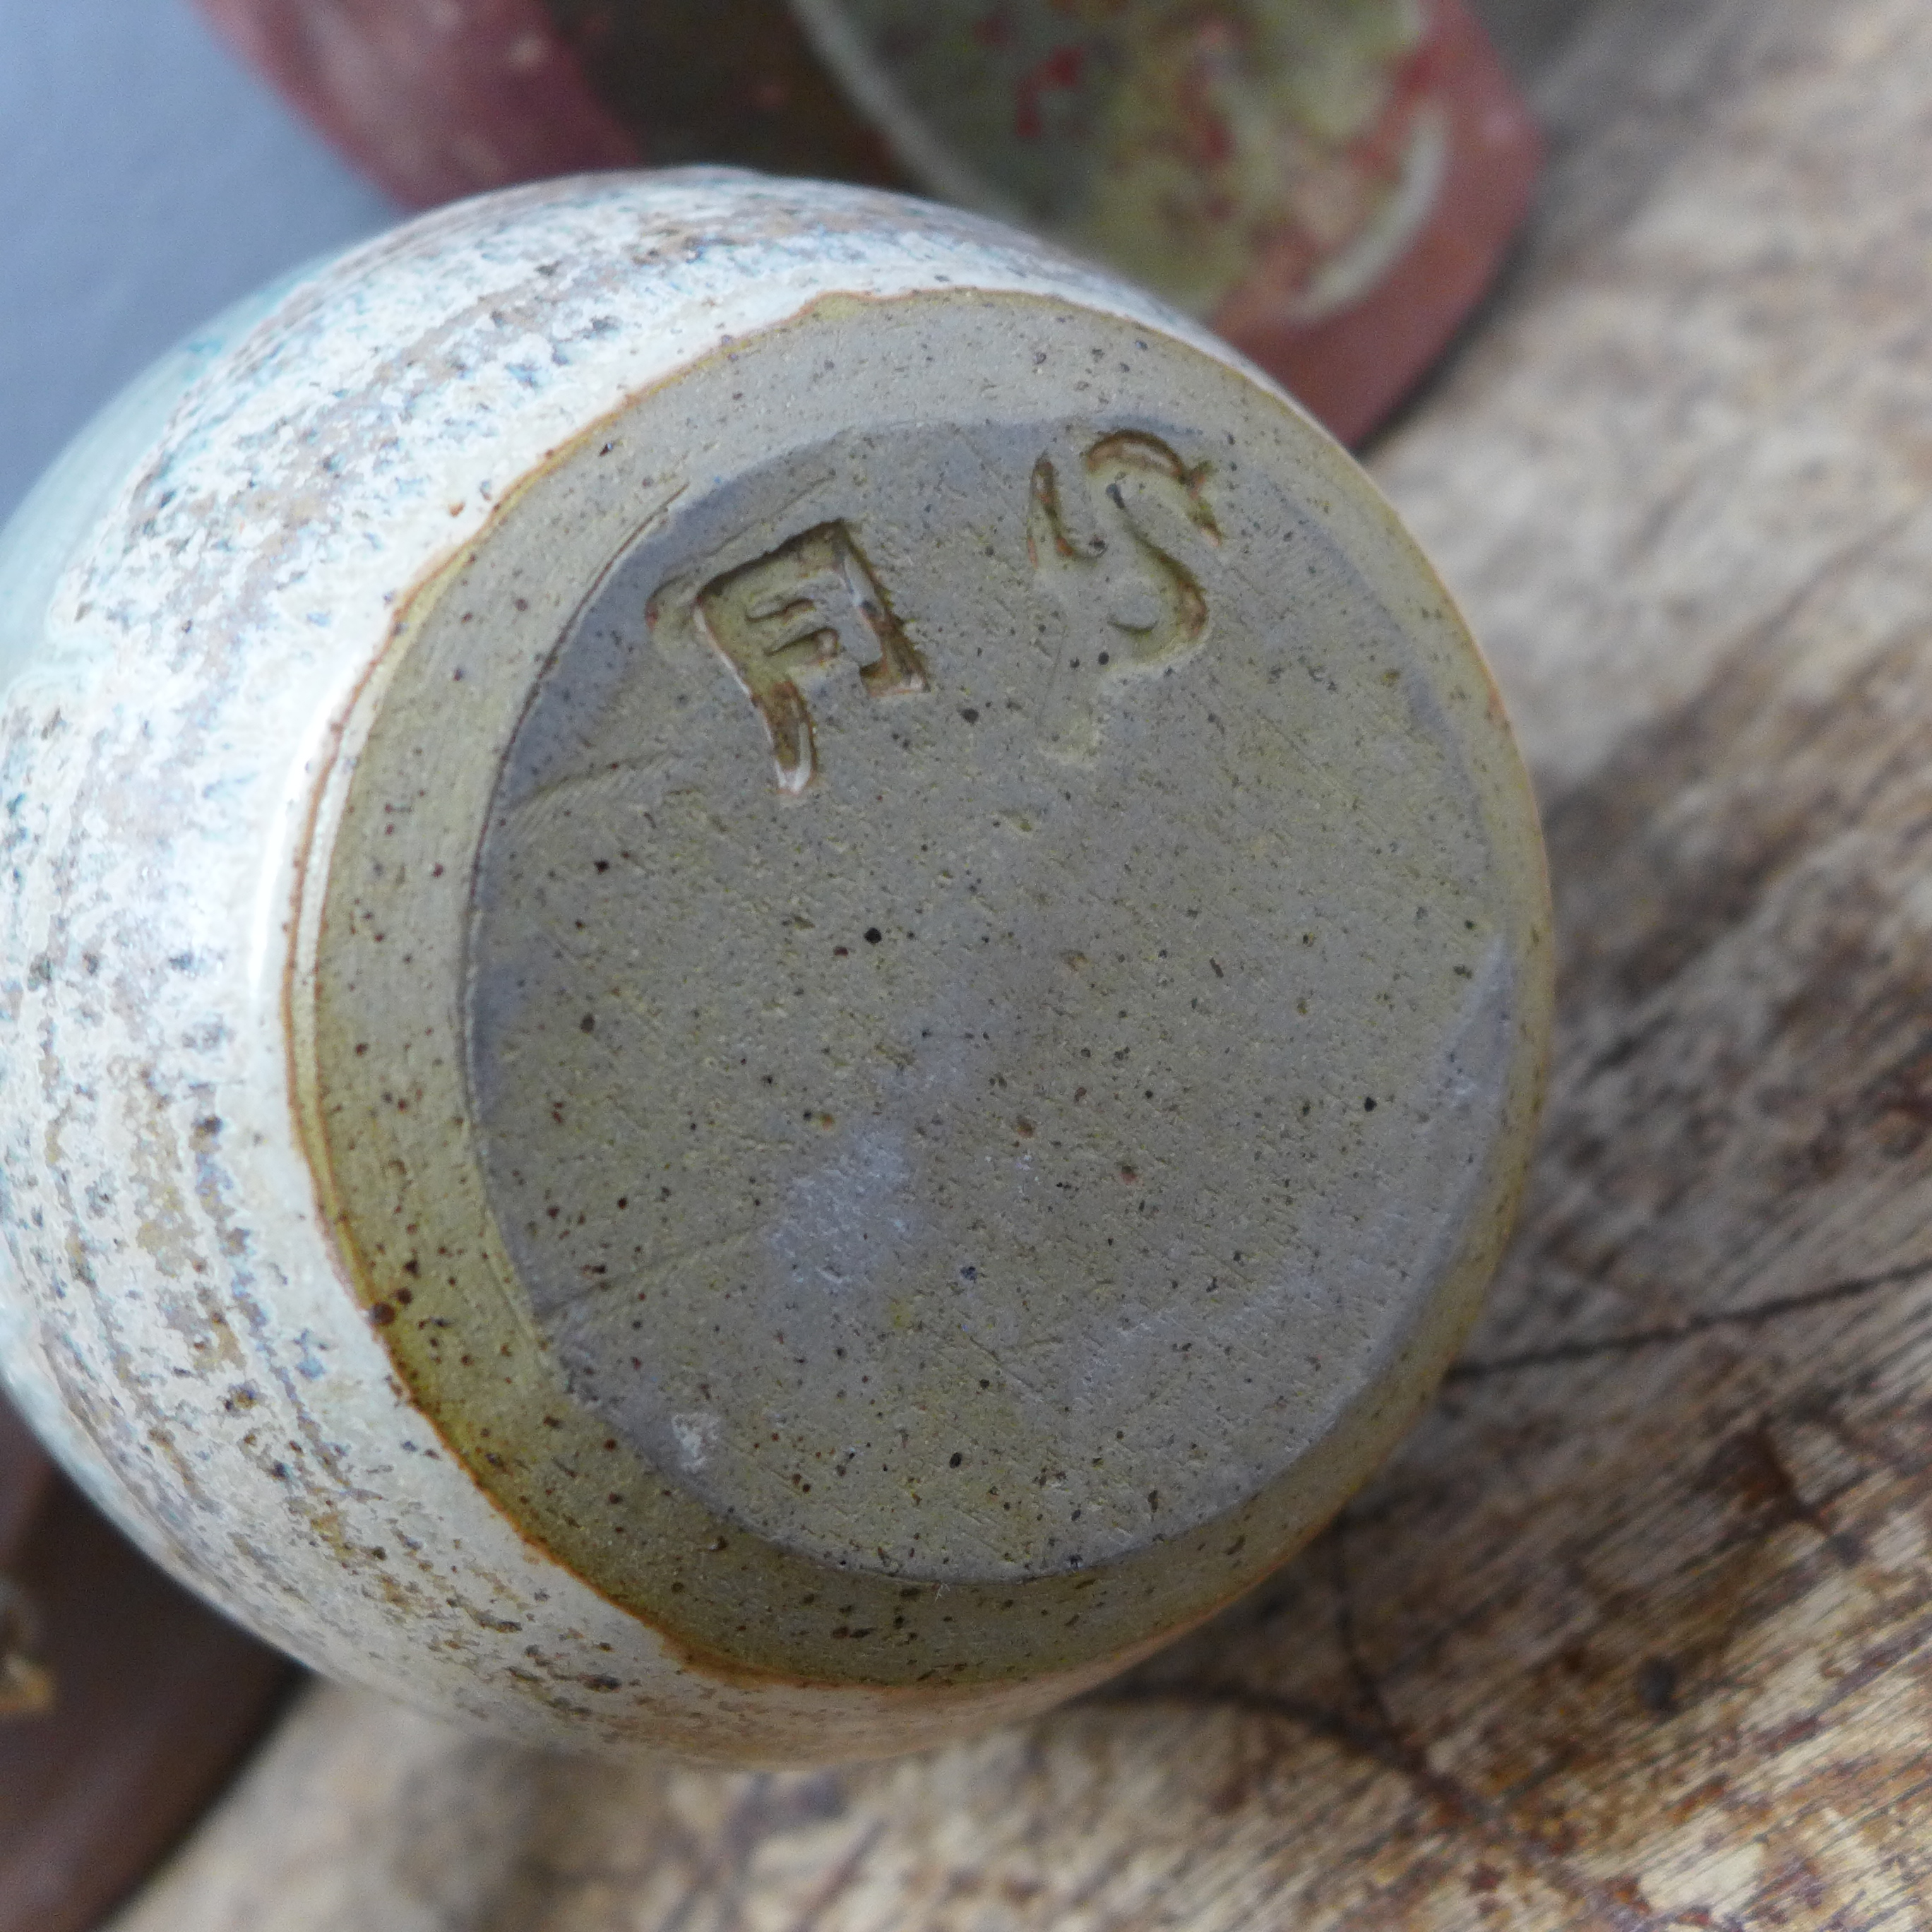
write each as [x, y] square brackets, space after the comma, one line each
[774, 974]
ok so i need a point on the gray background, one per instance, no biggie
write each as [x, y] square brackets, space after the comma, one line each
[146, 180]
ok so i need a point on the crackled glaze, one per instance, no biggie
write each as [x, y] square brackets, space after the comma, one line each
[455, 752]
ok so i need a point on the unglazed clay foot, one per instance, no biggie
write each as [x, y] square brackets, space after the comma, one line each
[1332, 183]
[777, 976]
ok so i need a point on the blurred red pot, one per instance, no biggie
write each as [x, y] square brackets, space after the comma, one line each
[1331, 183]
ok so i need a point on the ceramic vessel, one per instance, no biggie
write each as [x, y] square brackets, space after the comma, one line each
[775, 974]
[1331, 183]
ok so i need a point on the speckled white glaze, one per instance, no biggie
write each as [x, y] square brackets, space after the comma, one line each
[195, 604]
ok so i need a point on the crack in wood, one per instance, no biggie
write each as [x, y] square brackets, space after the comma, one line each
[1758, 1316]
[1460, 1808]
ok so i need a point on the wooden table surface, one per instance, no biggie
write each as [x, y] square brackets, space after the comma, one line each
[1635, 1631]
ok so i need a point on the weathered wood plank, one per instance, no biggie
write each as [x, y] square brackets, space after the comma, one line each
[1637, 1630]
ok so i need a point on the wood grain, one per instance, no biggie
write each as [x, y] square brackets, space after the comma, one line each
[1635, 1631]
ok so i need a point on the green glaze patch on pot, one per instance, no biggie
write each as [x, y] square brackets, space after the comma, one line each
[1180, 141]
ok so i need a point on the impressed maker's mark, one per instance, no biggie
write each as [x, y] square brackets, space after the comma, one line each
[1117, 552]
[1116, 570]
[793, 613]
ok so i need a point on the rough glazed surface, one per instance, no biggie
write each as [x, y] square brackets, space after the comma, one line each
[1633, 1634]
[268, 1299]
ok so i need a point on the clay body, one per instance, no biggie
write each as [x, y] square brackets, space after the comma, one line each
[776, 976]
